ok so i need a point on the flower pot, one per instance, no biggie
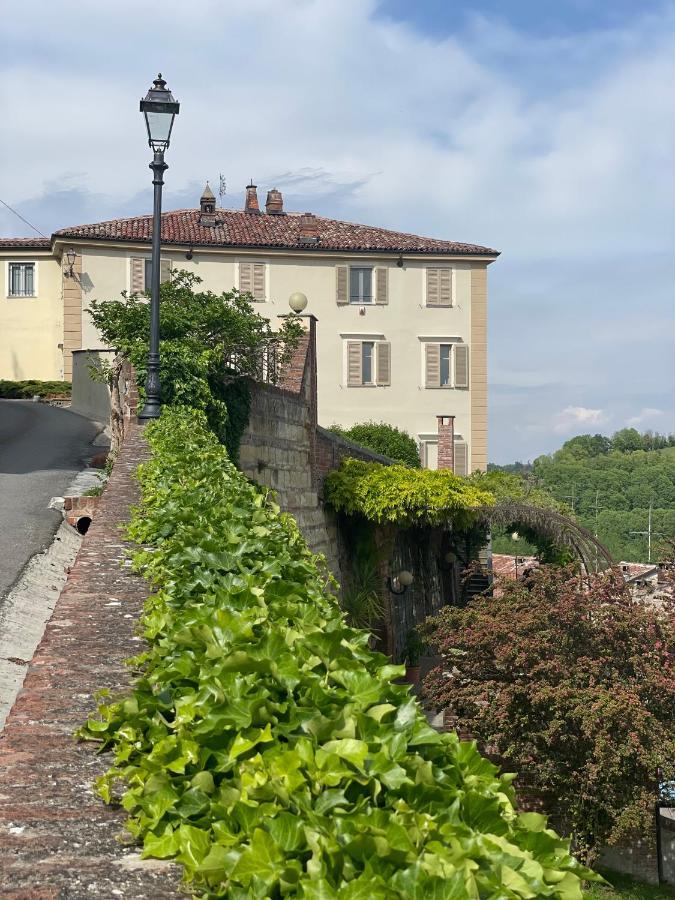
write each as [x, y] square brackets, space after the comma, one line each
[412, 674]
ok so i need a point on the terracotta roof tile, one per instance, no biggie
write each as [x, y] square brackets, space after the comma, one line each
[25, 243]
[236, 228]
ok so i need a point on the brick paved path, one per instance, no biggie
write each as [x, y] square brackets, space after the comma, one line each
[57, 839]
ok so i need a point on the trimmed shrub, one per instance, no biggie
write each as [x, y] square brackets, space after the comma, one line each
[385, 439]
[265, 746]
[26, 390]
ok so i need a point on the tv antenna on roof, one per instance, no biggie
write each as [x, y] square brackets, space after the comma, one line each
[222, 190]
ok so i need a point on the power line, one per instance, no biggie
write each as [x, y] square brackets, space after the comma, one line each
[30, 224]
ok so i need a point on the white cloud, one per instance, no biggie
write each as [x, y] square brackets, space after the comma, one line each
[557, 151]
[646, 416]
[578, 417]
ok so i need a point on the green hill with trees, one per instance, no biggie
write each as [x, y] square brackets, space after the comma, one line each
[610, 483]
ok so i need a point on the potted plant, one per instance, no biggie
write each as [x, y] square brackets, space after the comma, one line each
[413, 648]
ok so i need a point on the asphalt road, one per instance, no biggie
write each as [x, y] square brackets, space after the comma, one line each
[42, 448]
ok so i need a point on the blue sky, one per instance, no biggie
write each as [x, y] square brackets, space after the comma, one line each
[546, 130]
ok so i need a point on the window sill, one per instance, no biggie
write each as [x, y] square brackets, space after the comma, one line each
[366, 385]
[21, 297]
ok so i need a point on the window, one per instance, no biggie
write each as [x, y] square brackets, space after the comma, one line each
[368, 363]
[445, 365]
[367, 352]
[360, 285]
[21, 280]
[252, 279]
[140, 278]
[439, 287]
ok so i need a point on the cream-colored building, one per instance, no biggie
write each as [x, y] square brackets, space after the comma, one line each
[402, 319]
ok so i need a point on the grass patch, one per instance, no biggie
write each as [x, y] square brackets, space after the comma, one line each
[622, 887]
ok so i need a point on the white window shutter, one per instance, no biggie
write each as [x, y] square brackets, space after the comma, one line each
[245, 277]
[461, 354]
[341, 285]
[258, 281]
[354, 363]
[432, 365]
[461, 458]
[137, 273]
[383, 362]
[164, 270]
[382, 285]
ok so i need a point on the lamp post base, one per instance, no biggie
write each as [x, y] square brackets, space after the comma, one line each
[151, 410]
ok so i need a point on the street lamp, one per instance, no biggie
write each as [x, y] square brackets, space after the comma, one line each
[159, 109]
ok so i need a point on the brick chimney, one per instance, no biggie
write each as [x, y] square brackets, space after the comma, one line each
[274, 205]
[309, 229]
[251, 204]
[446, 442]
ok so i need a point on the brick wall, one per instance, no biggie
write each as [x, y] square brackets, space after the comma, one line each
[57, 839]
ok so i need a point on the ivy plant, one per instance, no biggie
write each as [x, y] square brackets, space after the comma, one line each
[264, 745]
[404, 496]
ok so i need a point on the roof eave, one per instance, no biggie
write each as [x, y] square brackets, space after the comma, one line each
[482, 253]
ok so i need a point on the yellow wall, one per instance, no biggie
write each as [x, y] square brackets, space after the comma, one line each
[31, 328]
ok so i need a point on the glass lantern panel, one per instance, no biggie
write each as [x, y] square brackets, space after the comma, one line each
[159, 126]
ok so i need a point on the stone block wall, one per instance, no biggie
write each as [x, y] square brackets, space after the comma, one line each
[276, 451]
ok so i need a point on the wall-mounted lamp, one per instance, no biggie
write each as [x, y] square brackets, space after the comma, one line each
[189, 253]
[70, 256]
[400, 583]
[399, 261]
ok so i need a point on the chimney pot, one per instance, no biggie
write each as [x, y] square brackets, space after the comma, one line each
[251, 205]
[274, 205]
[309, 229]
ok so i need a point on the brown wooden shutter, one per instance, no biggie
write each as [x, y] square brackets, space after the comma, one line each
[432, 365]
[245, 277]
[433, 288]
[259, 281]
[383, 362]
[439, 287]
[137, 280]
[445, 287]
[164, 270]
[461, 458]
[341, 285]
[354, 373]
[382, 285]
[461, 353]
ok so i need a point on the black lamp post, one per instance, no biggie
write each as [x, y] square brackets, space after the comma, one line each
[159, 109]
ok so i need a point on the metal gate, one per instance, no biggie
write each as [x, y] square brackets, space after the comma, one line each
[665, 842]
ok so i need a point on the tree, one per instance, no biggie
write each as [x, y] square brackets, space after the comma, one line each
[385, 439]
[571, 684]
[210, 343]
